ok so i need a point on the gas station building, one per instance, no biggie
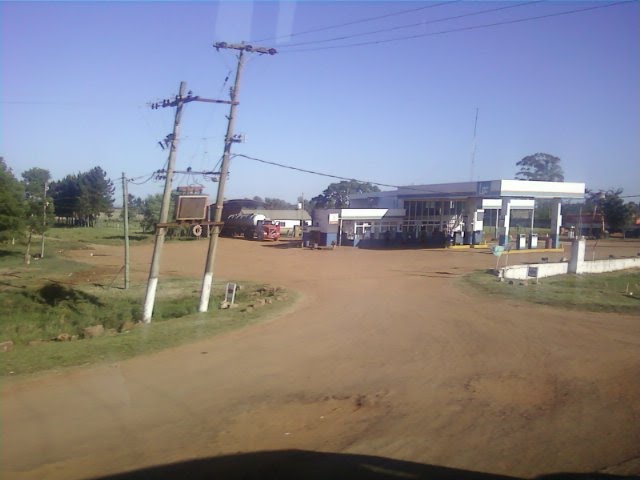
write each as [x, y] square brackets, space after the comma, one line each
[434, 214]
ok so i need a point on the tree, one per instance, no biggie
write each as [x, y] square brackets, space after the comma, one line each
[35, 182]
[81, 198]
[39, 214]
[336, 195]
[96, 194]
[540, 166]
[151, 211]
[278, 204]
[151, 207]
[66, 198]
[616, 213]
[12, 208]
[135, 207]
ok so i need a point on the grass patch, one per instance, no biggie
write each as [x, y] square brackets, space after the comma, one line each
[49, 300]
[605, 292]
[62, 237]
[175, 322]
[14, 273]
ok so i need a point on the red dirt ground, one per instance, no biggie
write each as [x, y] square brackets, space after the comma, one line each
[385, 355]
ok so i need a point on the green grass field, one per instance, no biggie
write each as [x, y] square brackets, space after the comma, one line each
[111, 233]
[47, 300]
[173, 324]
[606, 292]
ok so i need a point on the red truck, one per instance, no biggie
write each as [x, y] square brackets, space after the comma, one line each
[254, 226]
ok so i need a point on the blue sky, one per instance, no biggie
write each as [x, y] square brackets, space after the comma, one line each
[76, 79]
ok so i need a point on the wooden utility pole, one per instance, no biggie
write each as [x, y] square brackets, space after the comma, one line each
[152, 284]
[125, 212]
[44, 216]
[207, 279]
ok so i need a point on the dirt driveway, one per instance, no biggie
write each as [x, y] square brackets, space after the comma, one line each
[385, 356]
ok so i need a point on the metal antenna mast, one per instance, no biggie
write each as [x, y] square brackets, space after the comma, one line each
[473, 149]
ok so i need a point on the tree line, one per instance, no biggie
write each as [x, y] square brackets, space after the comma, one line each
[35, 202]
[616, 213]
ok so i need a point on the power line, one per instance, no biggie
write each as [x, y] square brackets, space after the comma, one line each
[411, 25]
[54, 103]
[461, 29]
[149, 178]
[338, 177]
[354, 22]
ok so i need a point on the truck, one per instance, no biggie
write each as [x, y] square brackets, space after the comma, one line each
[252, 226]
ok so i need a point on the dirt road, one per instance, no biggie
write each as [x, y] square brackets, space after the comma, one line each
[386, 355]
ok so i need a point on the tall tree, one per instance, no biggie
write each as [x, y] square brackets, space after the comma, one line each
[81, 198]
[540, 166]
[12, 208]
[36, 186]
[66, 198]
[617, 213]
[336, 195]
[97, 194]
[39, 211]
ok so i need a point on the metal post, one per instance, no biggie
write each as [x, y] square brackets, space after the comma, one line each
[152, 284]
[207, 279]
[533, 212]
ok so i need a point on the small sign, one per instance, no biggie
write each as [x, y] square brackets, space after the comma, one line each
[483, 188]
[230, 293]
[191, 207]
[334, 218]
[532, 272]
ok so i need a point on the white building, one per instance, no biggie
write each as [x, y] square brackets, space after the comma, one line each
[429, 213]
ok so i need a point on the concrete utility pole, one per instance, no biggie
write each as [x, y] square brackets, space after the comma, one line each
[207, 279]
[152, 284]
[125, 212]
[44, 216]
[302, 222]
[161, 226]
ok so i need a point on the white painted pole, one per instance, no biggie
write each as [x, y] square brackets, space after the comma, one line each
[207, 278]
[154, 271]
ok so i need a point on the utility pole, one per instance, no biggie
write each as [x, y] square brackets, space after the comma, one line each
[207, 279]
[44, 216]
[302, 222]
[161, 227]
[125, 211]
[152, 284]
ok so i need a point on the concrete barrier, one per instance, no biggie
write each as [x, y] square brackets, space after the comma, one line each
[609, 265]
[535, 270]
[576, 265]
